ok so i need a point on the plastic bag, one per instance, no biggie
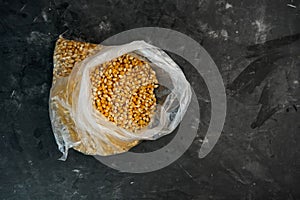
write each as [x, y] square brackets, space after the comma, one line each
[77, 124]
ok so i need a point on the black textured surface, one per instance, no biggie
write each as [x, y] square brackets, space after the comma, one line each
[256, 47]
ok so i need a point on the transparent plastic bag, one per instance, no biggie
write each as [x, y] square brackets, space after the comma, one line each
[77, 124]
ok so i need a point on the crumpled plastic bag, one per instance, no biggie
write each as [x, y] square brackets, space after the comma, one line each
[77, 124]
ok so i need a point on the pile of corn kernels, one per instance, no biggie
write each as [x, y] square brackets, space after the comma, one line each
[123, 88]
[123, 91]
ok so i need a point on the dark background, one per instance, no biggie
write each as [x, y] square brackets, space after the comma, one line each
[255, 45]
